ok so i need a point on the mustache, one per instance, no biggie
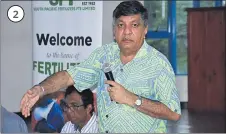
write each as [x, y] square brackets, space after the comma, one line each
[126, 39]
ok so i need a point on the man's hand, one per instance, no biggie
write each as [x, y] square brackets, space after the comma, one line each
[29, 99]
[119, 94]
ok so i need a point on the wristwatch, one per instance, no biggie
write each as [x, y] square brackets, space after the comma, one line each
[138, 102]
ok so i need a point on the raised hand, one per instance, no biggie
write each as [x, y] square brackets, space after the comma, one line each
[29, 99]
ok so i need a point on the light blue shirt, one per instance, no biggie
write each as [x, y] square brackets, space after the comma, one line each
[12, 123]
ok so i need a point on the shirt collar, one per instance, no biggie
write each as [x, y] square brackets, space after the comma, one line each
[141, 52]
[91, 122]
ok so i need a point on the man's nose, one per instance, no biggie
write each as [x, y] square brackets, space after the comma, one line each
[128, 30]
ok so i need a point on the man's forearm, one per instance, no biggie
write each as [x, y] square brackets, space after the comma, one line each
[157, 110]
[154, 109]
[56, 82]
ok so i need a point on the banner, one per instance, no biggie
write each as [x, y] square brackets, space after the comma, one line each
[64, 34]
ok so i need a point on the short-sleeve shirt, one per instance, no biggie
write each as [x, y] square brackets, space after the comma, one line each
[149, 75]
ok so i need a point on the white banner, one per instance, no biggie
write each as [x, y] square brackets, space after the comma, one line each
[64, 34]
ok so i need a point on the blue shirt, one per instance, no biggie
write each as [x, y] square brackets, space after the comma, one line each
[12, 123]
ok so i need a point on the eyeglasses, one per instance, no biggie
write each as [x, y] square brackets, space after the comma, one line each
[65, 107]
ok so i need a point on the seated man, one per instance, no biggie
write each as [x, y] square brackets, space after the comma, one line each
[12, 123]
[79, 107]
[47, 116]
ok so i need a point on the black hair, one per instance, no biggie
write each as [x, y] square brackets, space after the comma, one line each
[131, 7]
[86, 96]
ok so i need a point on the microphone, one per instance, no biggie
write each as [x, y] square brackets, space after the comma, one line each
[108, 73]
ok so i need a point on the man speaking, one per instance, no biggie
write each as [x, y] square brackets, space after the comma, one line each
[144, 86]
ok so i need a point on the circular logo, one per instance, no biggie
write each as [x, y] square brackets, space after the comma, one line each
[15, 13]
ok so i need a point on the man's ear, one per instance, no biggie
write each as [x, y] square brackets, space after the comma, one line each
[146, 30]
[113, 34]
[89, 108]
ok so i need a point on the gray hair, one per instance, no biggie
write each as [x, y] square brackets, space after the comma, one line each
[128, 8]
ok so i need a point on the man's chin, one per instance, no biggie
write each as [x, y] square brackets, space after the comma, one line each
[74, 122]
[126, 45]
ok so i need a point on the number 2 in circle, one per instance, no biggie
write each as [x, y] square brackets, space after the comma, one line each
[16, 13]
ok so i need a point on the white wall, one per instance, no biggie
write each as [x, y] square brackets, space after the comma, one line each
[16, 53]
